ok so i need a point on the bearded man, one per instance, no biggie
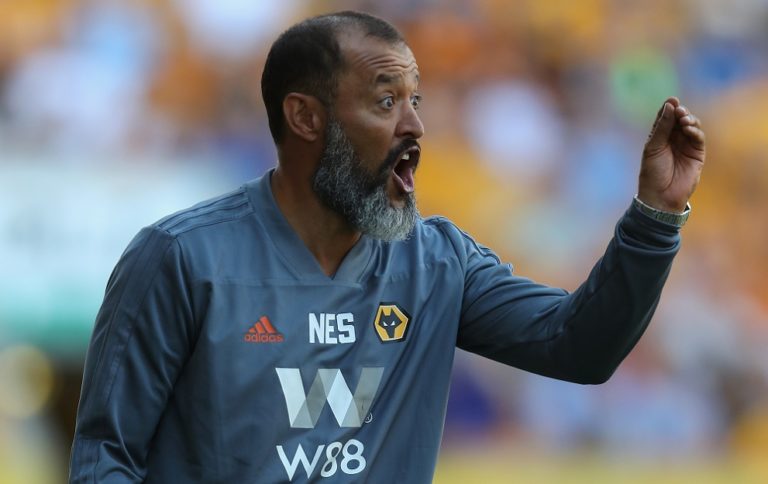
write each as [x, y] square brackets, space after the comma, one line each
[303, 327]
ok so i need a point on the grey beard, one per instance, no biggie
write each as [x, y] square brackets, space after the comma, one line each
[346, 186]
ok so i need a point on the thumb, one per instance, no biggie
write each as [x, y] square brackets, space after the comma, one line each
[662, 128]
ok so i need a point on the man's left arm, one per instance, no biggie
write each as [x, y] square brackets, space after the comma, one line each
[583, 336]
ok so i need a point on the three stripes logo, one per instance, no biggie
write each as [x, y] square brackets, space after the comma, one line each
[262, 331]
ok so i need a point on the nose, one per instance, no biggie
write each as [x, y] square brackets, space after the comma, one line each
[410, 125]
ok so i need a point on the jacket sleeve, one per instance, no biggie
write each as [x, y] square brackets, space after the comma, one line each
[141, 339]
[580, 336]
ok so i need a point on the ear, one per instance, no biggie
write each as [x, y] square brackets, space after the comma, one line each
[304, 116]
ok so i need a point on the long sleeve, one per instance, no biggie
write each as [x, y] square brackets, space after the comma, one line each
[580, 336]
[141, 339]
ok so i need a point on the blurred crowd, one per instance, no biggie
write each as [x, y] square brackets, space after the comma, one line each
[535, 113]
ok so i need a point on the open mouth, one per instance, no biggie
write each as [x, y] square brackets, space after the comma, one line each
[405, 167]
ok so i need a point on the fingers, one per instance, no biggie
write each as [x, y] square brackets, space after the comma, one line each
[696, 136]
[674, 101]
[673, 115]
[662, 128]
[686, 118]
[690, 125]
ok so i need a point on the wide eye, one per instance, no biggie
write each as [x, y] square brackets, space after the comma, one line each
[415, 101]
[388, 102]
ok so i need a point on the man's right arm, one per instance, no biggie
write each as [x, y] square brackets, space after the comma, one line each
[141, 339]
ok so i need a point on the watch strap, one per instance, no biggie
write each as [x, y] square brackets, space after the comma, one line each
[672, 218]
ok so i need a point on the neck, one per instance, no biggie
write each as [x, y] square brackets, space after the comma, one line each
[325, 233]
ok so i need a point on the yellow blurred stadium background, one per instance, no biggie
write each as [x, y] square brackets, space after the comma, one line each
[114, 113]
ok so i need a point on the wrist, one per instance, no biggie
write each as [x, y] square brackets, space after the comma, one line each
[673, 217]
[659, 203]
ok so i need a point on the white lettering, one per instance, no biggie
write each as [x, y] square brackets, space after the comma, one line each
[349, 457]
[331, 452]
[352, 462]
[316, 327]
[331, 329]
[299, 458]
[346, 329]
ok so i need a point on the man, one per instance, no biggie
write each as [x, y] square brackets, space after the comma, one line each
[303, 327]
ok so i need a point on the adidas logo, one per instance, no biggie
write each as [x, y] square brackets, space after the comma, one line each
[262, 331]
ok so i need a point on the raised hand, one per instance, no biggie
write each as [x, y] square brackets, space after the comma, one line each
[673, 158]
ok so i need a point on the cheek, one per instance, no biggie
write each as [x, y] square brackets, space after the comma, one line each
[370, 131]
[372, 141]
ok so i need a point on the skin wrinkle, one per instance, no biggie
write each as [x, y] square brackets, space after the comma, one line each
[367, 60]
[392, 79]
[395, 64]
[378, 121]
[358, 107]
[360, 195]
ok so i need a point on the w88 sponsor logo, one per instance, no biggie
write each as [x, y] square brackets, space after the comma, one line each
[350, 409]
[346, 458]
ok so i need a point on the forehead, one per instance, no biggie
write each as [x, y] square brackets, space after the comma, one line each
[372, 60]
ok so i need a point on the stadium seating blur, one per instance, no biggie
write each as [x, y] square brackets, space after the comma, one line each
[114, 113]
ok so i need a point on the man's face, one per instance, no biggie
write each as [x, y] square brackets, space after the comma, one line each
[366, 170]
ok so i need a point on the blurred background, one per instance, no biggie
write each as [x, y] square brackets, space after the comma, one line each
[114, 113]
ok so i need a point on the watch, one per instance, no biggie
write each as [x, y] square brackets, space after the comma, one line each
[672, 218]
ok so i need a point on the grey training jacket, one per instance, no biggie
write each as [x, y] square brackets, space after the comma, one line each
[223, 354]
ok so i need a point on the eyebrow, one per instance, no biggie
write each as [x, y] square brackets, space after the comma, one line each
[390, 79]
